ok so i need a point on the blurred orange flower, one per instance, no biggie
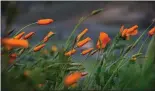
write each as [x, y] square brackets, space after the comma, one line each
[54, 48]
[37, 48]
[103, 40]
[46, 38]
[72, 79]
[152, 31]
[82, 33]
[71, 52]
[19, 35]
[28, 35]
[11, 42]
[83, 42]
[84, 52]
[45, 21]
[126, 33]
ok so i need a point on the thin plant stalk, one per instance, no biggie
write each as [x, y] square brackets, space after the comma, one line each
[24, 28]
[140, 49]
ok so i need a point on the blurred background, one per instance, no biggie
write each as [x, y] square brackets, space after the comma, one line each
[67, 13]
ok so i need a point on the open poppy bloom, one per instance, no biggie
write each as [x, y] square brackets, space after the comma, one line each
[126, 33]
[73, 78]
[11, 42]
[152, 31]
[103, 40]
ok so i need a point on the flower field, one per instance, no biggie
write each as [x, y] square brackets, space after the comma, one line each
[32, 68]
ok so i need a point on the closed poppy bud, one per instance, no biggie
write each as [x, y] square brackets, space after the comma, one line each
[19, 35]
[71, 52]
[37, 48]
[83, 42]
[46, 38]
[28, 35]
[152, 31]
[50, 34]
[45, 21]
[87, 51]
[81, 34]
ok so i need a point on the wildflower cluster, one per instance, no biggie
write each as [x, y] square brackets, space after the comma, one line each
[113, 68]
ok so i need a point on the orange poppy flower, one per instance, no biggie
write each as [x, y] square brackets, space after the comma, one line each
[152, 31]
[126, 33]
[83, 42]
[87, 51]
[82, 33]
[15, 42]
[19, 35]
[37, 48]
[28, 35]
[103, 40]
[71, 52]
[45, 21]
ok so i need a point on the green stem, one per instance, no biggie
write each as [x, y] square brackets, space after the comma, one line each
[24, 28]
[125, 56]
[75, 28]
[143, 44]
